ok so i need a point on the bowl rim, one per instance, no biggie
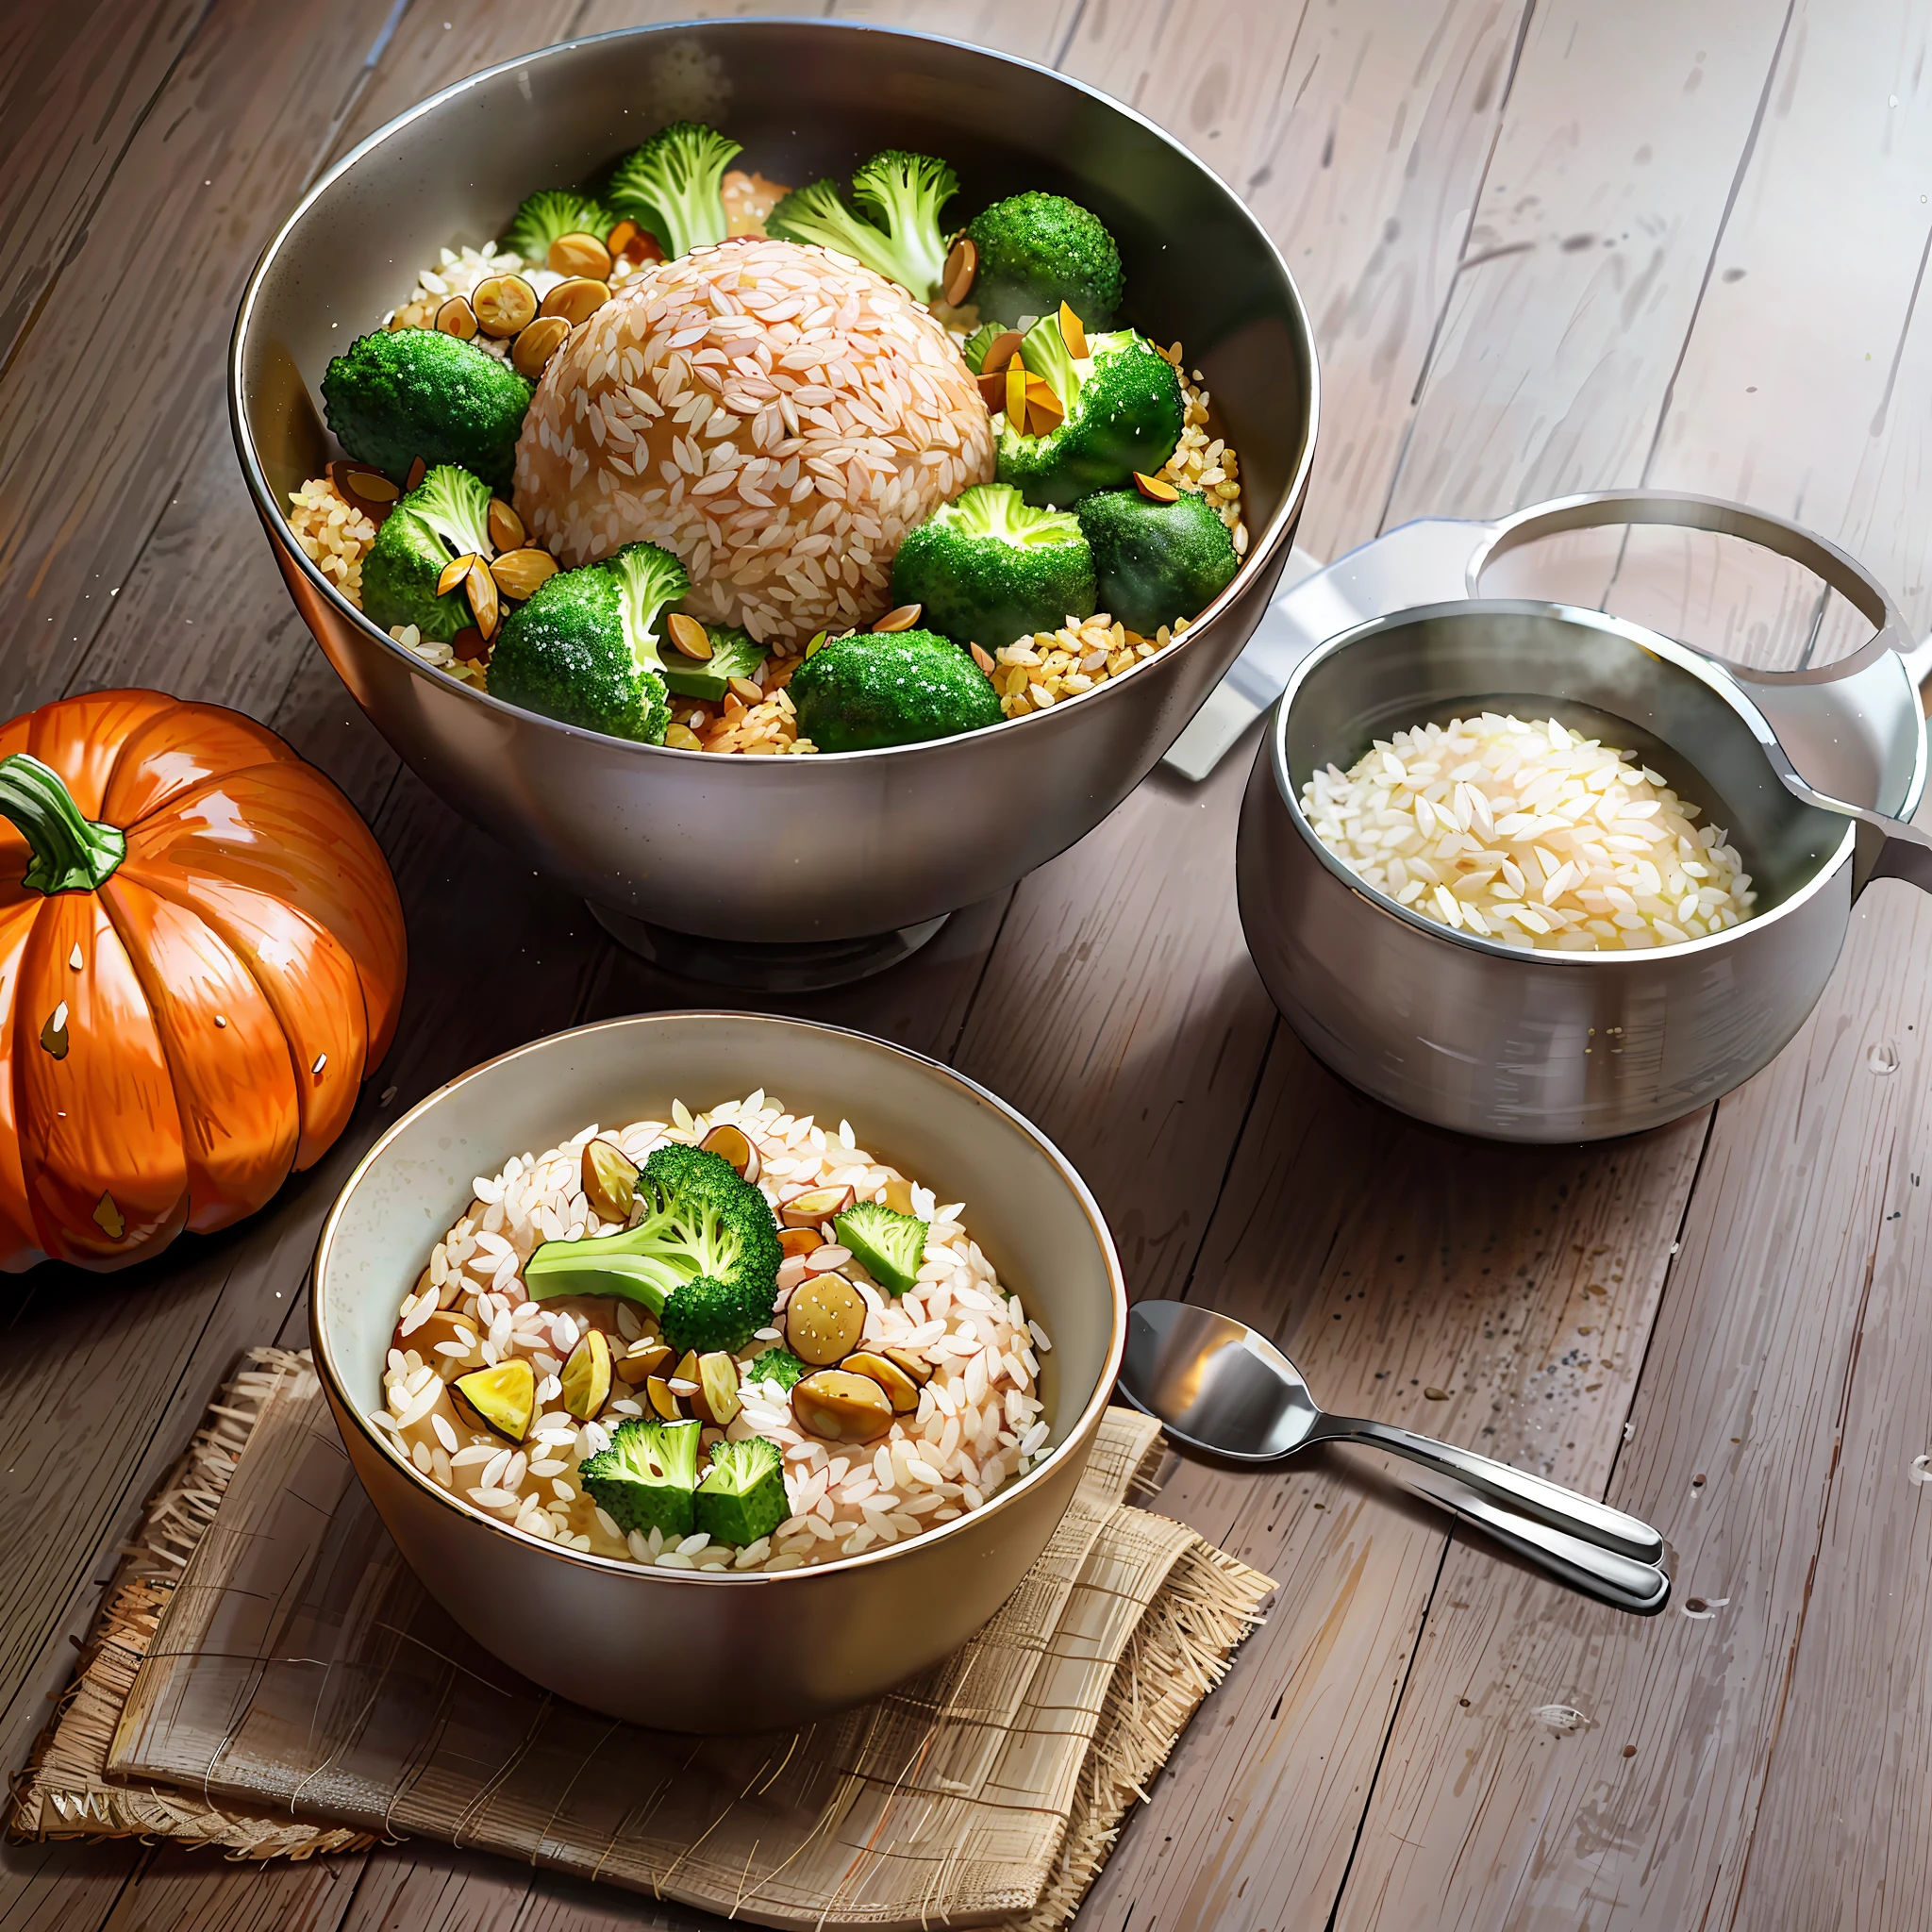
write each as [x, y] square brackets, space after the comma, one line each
[1079, 1427]
[1705, 670]
[1272, 540]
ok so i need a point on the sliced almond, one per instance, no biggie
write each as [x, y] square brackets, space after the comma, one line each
[645, 1360]
[610, 1180]
[577, 299]
[733, 1144]
[363, 489]
[1073, 333]
[504, 304]
[481, 588]
[962, 265]
[688, 635]
[517, 573]
[916, 1367]
[446, 1325]
[453, 573]
[903, 618]
[579, 255]
[987, 665]
[1046, 413]
[506, 528]
[799, 1240]
[1000, 351]
[533, 348]
[418, 469]
[457, 318]
[658, 1393]
[470, 644]
[1015, 405]
[1156, 489]
[901, 1389]
[815, 1206]
[745, 691]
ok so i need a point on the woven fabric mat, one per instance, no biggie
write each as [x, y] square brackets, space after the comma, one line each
[267, 1676]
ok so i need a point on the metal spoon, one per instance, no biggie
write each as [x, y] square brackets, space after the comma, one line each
[1215, 1385]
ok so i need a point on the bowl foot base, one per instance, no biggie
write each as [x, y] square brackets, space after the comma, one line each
[801, 966]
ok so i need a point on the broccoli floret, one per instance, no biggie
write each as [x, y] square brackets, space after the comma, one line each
[743, 1495]
[1124, 410]
[672, 185]
[647, 1478]
[584, 647]
[888, 1244]
[871, 689]
[445, 516]
[701, 1254]
[550, 213]
[1156, 562]
[403, 393]
[892, 224]
[777, 1365]
[988, 568]
[734, 654]
[1037, 251]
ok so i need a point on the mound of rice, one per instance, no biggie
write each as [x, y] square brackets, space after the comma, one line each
[1529, 834]
[776, 415]
[979, 1420]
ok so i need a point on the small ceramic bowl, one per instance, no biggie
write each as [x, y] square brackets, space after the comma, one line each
[685, 1650]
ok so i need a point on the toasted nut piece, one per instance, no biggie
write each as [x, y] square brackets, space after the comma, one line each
[481, 588]
[580, 256]
[501, 1399]
[506, 528]
[815, 1206]
[716, 1401]
[609, 1180]
[983, 660]
[962, 265]
[452, 573]
[824, 1319]
[503, 303]
[735, 1145]
[799, 1240]
[615, 242]
[534, 347]
[658, 1393]
[745, 691]
[687, 1368]
[457, 318]
[902, 1391]
[688, 635]
[916, 1368]
[418, 469]
[1071, 333]
[444, 1325]
[826, 1259]
[363, 489]
[586, 1377]
[577, 299]
[899, 1193]
[901, 618]
[646, 1359]
[842, 1408]
[1016, 396]
[631, 244]
[1156, 489]
[992, 390]
[1001, 351]
[470, 644]
[519, 573]
[1046, 413]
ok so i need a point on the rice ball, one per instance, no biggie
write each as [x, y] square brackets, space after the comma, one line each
[776, 415]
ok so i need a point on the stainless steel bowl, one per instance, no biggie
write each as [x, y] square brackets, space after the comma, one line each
[778, 849]
[752, 1652]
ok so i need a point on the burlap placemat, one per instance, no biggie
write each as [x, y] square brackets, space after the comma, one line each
[268, 1676]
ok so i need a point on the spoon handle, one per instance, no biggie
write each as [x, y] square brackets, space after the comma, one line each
[1515, 1488]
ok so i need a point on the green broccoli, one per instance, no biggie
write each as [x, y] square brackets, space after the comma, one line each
[887, 1244]
[445, 517]
[734, 654]
[403, 393]
[777, 1365]
[1037, 251]
[584, 647]
[871, 688]
[552, 212]
[743, 1495]
[1125, 412]
[647, 1478]
[894, 226]
[701, 1254]
[989, 569]
[672, 185]
[1156, 562]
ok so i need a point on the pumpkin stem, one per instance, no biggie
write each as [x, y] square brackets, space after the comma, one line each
[70, 853]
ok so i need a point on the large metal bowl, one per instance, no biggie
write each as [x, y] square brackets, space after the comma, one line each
[752, 1652]
[779, 849]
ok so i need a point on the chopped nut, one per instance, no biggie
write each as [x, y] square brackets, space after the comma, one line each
[986, 664]
[916, 1367]
[454, 573]
[716, 1401]
[504, 304]
[480, 587]
[657, 1393]
[842, 1408]
[823, 1319]
[1071, 333]
[579, 256]
[644, 1361]
[610, 1180]
[903, 618]
[586, 1377]
[688, 635]
[577, 299]
[470, 644]
[1001, 351]
[631, 244]
[457, 318]
[501, 1399]
[962, 265]
[685, 1371]
[733, 1144]
[517, 573]
[506, 528]
[536, 345]
[815, 1206]
[799, 1240]
[744, 691]
[902, 1391]
[1156, 489]
[363, 489]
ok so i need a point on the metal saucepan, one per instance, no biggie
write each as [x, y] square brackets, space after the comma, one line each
[779, 850]
[1811, 771]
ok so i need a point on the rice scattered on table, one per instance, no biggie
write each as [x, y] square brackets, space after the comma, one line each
[978, 1423]
[1530, 834]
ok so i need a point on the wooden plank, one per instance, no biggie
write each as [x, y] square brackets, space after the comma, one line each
[194, 1891]
[426, 1887]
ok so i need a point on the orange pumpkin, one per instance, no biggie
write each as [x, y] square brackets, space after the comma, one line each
[200, 958]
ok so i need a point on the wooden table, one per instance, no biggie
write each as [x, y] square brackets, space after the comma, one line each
[1547, 248]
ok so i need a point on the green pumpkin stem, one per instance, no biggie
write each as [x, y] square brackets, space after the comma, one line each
[70, 853]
